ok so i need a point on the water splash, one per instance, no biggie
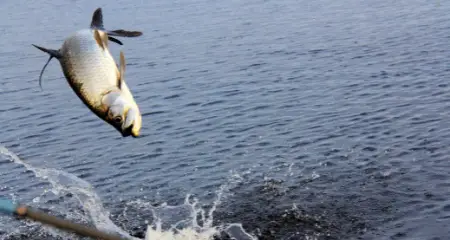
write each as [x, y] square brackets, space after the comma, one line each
[188, 221]
[63, 182]
[187, 227]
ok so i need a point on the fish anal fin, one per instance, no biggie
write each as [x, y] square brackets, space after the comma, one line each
[115, 40]
[101, 38]
[104, 36]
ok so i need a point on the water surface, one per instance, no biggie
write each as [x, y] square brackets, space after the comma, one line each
[297, 119]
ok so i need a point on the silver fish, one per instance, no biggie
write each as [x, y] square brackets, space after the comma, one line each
[94, 76]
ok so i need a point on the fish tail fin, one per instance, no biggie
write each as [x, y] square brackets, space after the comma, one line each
[97, 19]
[124, 33]
[53, 54]
[97, 23]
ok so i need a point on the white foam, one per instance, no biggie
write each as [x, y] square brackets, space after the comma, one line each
[188, 228]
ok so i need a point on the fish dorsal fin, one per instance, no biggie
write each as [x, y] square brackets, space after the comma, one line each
[101, 38]
[121, 70]
[53, 54]
[97, 19]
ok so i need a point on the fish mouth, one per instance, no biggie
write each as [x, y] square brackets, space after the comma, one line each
[125, 132]
[129, 132]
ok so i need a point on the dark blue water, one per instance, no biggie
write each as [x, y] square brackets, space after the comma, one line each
[311, 119]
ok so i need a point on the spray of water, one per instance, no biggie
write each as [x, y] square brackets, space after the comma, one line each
[188, 228]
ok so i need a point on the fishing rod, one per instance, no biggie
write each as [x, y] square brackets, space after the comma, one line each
[20, 210]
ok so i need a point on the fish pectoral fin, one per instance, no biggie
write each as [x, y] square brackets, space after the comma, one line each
[124, 33]
[53, 54]
[101, 38]
[122, 70]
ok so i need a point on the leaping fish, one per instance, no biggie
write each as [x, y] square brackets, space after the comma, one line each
[94, 76]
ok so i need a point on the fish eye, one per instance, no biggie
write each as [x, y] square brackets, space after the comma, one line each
[117, 119]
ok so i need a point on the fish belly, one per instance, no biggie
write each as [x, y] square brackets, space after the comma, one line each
[90, 70]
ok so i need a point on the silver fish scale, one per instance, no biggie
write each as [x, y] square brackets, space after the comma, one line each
[90, 70]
